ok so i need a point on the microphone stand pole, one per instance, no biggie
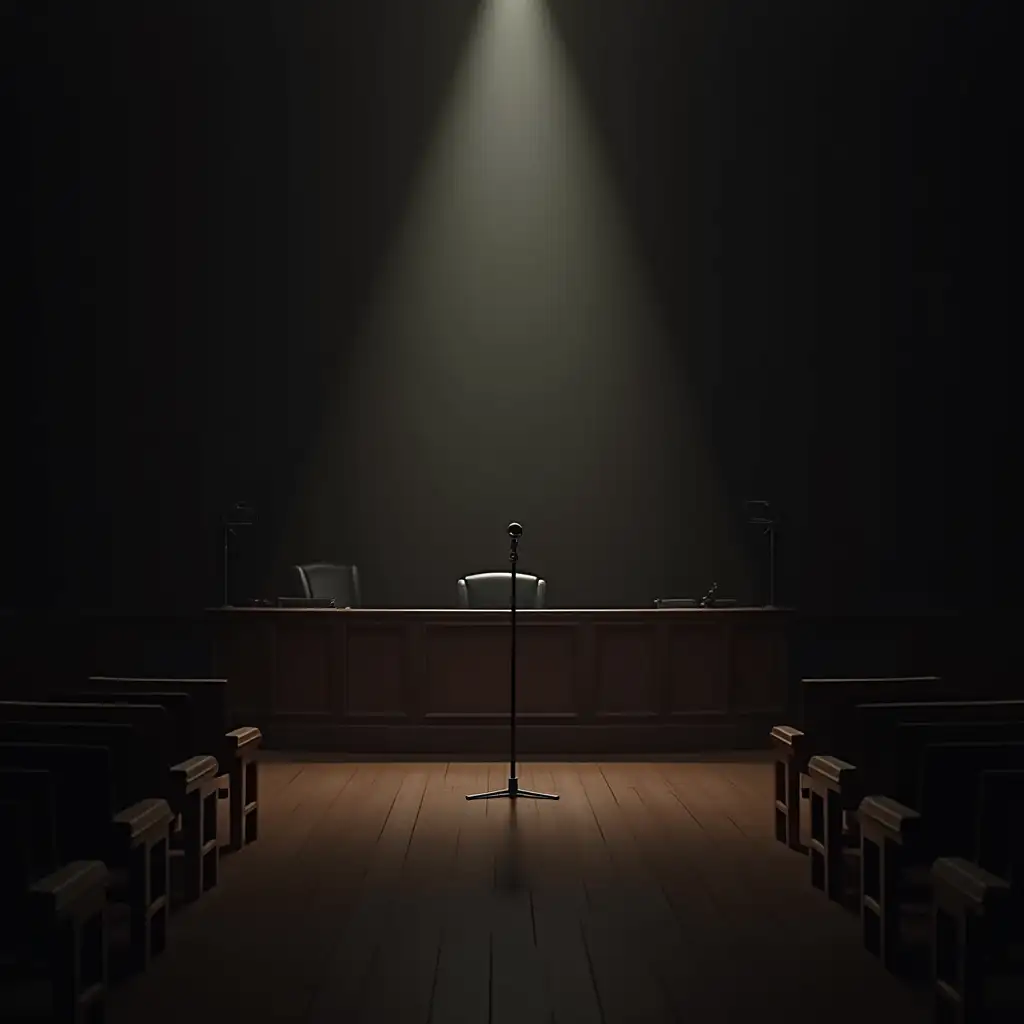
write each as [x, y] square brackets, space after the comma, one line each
[763, 517]
[515, 531]
[240, 514]
[227, 536]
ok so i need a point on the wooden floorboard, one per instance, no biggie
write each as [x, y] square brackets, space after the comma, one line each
[650, 892]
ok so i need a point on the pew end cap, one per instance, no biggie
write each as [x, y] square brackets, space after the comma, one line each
[246, 738]
[832, 769]
[969, 887]
[188, 773]
[78, 885]
[148, 815]
[892, 816]
[788, 737]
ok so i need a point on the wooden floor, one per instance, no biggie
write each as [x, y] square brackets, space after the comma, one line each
[648, 893]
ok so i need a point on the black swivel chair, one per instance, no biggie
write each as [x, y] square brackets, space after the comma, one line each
[494, 589]
[323, 580]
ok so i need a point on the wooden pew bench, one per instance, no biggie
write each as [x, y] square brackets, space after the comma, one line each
[53, 920]
[91, 824]
[894, 777]
[978, 913]
[193, 786]
[942, 820]
[826, 706]
[889, 821]
[236, 749]
[140, 763]
[839, 780]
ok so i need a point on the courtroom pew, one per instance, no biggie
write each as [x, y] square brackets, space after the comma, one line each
[236, 749]
[835, 779]
[978, 913]
[53, 923]
[189, 786]
[140, 761]
[824, 726]
[941, 822]
[894, 775]
[199, 848]
[91, 824]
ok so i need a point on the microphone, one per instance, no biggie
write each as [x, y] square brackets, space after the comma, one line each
[515, 530]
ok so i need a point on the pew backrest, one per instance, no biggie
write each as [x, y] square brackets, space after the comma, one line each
[209, 701]
[138, 772]
[894, 767]
[15, 854]
[825, 703]
[177, 705]
[1000, 823]
[150, 720]
[950, 787]
[871, 723]
[33, 791]
[83, 792]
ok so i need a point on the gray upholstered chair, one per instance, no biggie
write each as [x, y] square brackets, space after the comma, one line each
[340, 582]
[494, 590]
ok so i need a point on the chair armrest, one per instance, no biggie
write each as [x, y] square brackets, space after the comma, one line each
[135, 823]
[71, 889]
[890, 815]
[247, 739]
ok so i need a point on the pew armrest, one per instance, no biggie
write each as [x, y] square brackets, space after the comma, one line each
[967, 887]
[246, 740]
[188, 774]
[138, 822]
[834, 770]
[74, 890]
[882, 812]
[792, 742]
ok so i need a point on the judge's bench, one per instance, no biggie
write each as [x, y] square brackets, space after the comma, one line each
[420, 681]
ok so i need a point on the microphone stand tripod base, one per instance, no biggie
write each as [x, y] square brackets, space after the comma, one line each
[512, 792]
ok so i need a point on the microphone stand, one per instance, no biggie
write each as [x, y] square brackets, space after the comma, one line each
[767, 520]
[240, 514]
[228, 531]
[515, 531]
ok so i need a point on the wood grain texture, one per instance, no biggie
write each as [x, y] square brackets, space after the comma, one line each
[650, 892]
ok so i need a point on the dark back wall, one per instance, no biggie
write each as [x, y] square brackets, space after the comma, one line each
[343, 263]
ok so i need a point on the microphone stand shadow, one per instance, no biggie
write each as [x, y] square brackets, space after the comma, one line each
[508, 874]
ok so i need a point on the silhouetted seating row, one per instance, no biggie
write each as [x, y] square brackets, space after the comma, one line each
[882, 756]
[235, 749]
[144, 761]
[97, 816]
[978, 909]
[921, 789]
[53, 923]
[826, 705]
[125, 779]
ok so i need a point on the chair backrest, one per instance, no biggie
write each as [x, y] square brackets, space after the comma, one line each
[494, 590]
[324, 580]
